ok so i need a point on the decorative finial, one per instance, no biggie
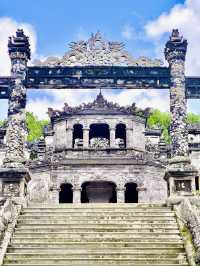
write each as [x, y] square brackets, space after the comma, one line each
[19, 44]
[176, 47]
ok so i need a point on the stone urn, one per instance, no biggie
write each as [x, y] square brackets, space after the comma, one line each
[98, 192]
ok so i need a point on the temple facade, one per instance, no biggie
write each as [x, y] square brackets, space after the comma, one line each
[99, 151]
[99, 155]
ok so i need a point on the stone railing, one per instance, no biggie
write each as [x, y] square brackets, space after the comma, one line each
[8, 219]
[188, 217]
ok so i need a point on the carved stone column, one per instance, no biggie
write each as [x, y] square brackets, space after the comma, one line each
[112, 137]
[19, 52]
[120, 189]
[14, 176]
[76, 194]
[175, 52]
[86, 132]
[55, 189]
[179, 174]
[129, 137]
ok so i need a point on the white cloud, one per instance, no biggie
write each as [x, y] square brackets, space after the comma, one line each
[142, 98]
[186, 18]
[128, 32]
[56, 98]
[8, 27]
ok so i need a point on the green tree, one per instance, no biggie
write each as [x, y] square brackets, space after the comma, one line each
[193, 118]
[162, 120]
[2, 123]
[159, 119]
[35, 126]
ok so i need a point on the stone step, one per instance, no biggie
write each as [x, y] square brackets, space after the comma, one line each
[96, 206]
[102, 210]
[100, 213]
[65, 230]
[97, 263]
[93, 249]
[26, 225]
[86, 238]
[99, 218]
[85, 261]
[96, 235]
[83, 234]
[97, 254]
[33, 222]
[86, 245]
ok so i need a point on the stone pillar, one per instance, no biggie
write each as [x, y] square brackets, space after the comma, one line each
[129, 137]
[120, 189]
[112, 137]
[180, 174]
[175, 52]
[76, 194]
[19, 52]
[86, 132]
[69, 138]
[55, 189]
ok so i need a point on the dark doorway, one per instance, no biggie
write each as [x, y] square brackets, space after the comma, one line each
[120, 132]
[77, 132]
[98, 191]
[197, 182]
[131, 194]
[66, 193]
[99, 131]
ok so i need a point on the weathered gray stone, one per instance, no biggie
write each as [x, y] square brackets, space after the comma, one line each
[175, 52]
[15, 134]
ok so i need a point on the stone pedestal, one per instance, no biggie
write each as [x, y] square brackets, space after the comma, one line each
[14, 182]
[180, 177]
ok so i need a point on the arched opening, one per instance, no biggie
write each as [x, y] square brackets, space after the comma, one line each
[120, 135]
[99, 135]
[98, 191]
[131, 193]
[197, 182]
[66, 193]
[77, 136]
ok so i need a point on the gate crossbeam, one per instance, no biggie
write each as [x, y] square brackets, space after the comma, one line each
[107, 77]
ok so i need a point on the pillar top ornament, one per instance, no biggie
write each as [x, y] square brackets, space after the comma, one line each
[176, 47]
[19, 46]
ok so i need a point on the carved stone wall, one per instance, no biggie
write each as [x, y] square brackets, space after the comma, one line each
[45, 185]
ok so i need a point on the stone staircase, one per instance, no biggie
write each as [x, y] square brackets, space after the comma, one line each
[96, 234]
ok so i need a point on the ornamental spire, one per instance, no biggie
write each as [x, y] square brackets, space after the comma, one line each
[176, 47]
[18, 46]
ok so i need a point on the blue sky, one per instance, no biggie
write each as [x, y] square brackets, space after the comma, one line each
[59, 22]
[141, 25]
